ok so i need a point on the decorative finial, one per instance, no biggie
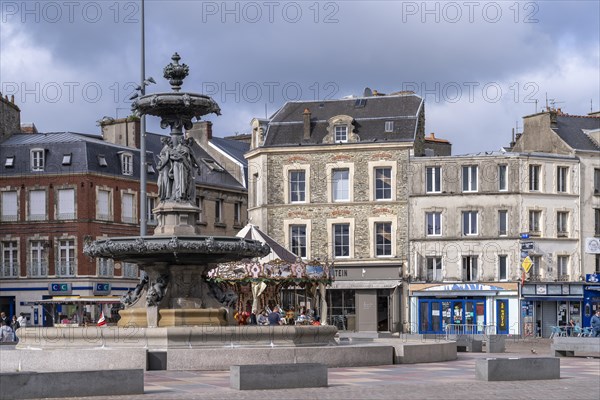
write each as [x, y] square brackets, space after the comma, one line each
[176, 73]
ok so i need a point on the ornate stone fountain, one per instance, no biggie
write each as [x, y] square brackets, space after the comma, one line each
[176, 258]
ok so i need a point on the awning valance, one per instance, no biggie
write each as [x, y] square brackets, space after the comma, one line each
[373, 284]
[79, 300]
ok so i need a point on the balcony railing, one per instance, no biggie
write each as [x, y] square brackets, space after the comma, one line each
[563, 278]
[37, 270]
[9, 218]
[9, 270]
[37, 217]
[66, 216]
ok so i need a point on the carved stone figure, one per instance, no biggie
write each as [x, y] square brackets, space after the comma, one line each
[165, 170]
[184, 164]
[156, 292]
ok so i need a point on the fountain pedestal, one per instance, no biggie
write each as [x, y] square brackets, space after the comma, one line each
[176, 219]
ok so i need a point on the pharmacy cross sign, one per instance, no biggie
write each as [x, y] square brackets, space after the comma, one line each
[526, 264]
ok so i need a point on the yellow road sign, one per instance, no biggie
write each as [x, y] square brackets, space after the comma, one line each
[526, 264]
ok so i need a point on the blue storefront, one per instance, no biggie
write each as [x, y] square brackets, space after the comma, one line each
[591, 298]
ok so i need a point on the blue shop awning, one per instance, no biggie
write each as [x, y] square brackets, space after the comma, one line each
[553, 298]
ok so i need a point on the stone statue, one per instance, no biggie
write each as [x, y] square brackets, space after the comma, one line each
[177, 166]
[156, 292]
[165, 170]
[132, 296]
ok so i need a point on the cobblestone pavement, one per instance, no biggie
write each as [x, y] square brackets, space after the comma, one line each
[580, 379]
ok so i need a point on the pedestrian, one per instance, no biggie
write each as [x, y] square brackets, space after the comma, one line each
[595, 323]
[4, 318]
[274, 317]
[22, 320]
[6, 333]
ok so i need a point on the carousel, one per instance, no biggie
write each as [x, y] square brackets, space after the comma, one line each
[280, 279]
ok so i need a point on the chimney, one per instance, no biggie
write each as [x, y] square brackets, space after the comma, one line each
[28, 128]
[123, 131]
[306, 115]
[201, 132]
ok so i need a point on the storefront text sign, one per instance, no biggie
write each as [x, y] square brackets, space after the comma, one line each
[101, 288]
[59, 288]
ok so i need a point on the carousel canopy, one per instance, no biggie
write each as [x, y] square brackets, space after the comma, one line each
[279, 265]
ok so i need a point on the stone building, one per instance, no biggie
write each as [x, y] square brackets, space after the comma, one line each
[10, 117]
[59, 189]
[328, 179]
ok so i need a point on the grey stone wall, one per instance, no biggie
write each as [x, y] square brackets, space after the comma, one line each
[10, 117]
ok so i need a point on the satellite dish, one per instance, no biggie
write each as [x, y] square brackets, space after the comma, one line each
[368, 92]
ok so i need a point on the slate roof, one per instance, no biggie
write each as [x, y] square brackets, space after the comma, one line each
[85, 150]
[570, 129]
[286, 126]
[235, 149]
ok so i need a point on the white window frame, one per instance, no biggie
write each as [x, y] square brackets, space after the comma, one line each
[67, 258]
[297, 186]
[470, 222]
[562, 179]
[331, 237]
[151, 202]
[9, 162]
[435, 217]
[127, 163]
[10, 205]
[200, 206]
[38, 159]
[535, 220]
[67, 158]
[340, 185]
[340, 133]
[562, 265]
[389, 126]
[66, 206]
[100, 190]
[372, 168]
[298, 241]
[219, 211]
[388, 248]
[562, 223]
[38, 258]
[125, 217]
[502, 219]
[503, 177]
[129, 270]
[106, 267]
[535, 174]
[381, 193]
[9, 259]
[287, 226]
[470, 268]
[433, 179]
[434, 269]
[470, 181]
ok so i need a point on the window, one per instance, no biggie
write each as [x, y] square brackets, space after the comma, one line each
[434, 223]
[534, 178]
[389, 126]
[126, 164]
[38, 265]
[66, 160]
[341, 133]
[130, 270]
[212, 165]
[102, 161]
[597, 270]
[502, 184]
[9, 162]
[37, 159]
[383, 239]
[237, 213]
[150, 205]
[254, 190]
[298, 240]
[37, 205]
[150, 168]
[340, 185]
[200, 205]
[10, 208]
[502, 222]
[66, 258]
[469, 178]
[297, 186]
[218, 211]
[502, 268]
[562, 174]
[469, 267]
[562, 219]
[597, 222]
[535, 270]
[127, 204]
[10, 260]
[469, 223]
[383, 183]
[106, 267]
[434, 269]
[341, 240]
[597, 181]
[534, 221]
[433, 178]
[103, 210]
[562, 268]
[66, 204]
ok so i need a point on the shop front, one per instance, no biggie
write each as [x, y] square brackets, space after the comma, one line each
[591, 298]
[545, 305]
[464, 307]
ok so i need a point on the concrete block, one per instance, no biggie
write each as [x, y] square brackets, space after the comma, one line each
[34, 385]
[411, 352]
[517, 369]
[470, 343]
[495, 344]
[569, 346]
[278, 376]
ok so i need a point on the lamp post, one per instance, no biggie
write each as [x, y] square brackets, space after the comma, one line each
[143, 167]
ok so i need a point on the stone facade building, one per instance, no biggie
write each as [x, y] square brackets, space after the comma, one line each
[10, 117]
[328, 179]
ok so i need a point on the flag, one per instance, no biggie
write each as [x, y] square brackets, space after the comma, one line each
[101, 321]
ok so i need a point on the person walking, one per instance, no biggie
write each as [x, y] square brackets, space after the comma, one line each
[6, 333]
[22, 320]
[595, 323]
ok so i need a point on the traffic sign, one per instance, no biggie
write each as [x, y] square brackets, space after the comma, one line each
[527, 246]
[524, 235]
[526, 264]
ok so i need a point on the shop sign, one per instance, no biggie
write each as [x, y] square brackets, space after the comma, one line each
[527, 246]
[594, 278]
[102, 288]
[540, 289]
[502, 322]
[341, 273]
[59, 288]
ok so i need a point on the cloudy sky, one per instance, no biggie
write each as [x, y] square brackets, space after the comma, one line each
[480, 66]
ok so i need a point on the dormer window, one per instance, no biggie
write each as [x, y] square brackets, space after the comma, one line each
[389, 126]
[212, 165]
[126, 164]
[66, 159]
[341, 133]
[150, 168]
[10, 162]
[102, 160]
[37, 159]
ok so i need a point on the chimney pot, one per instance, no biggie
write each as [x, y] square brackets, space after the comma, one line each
[306, 115]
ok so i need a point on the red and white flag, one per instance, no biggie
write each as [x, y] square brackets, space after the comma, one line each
[101, 321]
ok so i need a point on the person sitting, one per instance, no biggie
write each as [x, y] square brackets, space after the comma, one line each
[275, 317]
[316, 321]
[262, 318]
[6, 333]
